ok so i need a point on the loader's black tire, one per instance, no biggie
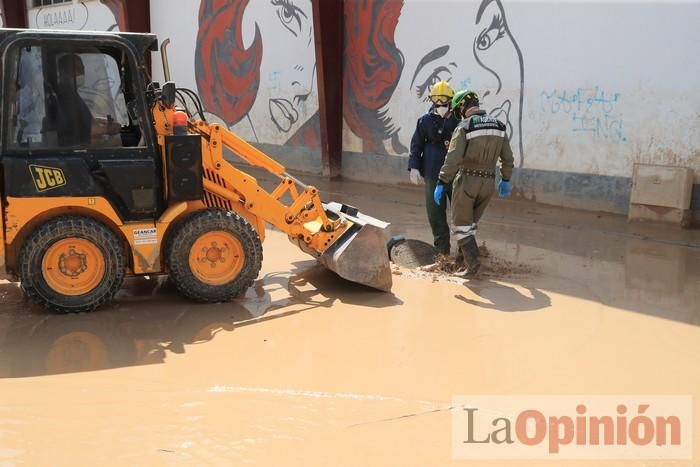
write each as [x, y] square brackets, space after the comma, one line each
[192, 230]
[44, 243]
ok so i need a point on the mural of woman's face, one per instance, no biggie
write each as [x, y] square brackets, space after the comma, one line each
[287, 96]
[468, 44]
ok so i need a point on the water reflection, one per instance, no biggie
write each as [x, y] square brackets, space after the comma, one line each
[148, 320]
[36, 342]
[651, 277]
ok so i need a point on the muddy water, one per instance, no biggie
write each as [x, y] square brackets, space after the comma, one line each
[307, 370]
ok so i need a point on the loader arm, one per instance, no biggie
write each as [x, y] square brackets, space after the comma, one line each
[304, 219]
[351, 244]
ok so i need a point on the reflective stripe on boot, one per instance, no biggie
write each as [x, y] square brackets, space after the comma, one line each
[462, 232]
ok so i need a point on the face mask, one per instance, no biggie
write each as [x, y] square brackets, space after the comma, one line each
[441, 111]
[80, 81]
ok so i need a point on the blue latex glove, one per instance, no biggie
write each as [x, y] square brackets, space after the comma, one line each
[504, 188]
[437, 195]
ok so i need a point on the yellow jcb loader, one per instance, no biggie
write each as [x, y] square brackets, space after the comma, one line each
[106, 173]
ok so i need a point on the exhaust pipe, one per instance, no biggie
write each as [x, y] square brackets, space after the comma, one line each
[164, 58]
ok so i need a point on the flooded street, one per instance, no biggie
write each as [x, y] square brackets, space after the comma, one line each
[309, 370]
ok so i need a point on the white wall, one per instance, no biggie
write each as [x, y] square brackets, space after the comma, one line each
[183, 39]
[634, 69]
[604, 84]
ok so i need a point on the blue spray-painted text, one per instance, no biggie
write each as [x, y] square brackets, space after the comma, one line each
[592, 111]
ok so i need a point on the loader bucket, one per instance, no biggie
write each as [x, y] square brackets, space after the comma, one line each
[359, 254]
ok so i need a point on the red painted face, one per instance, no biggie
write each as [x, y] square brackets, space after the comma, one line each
[390, 67]
[373, 66]
[228, 74]
[256, 68]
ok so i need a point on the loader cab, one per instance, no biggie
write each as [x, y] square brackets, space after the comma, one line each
[75, 121]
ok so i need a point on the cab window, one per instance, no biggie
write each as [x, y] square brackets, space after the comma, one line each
[71, 100]
[27, 116]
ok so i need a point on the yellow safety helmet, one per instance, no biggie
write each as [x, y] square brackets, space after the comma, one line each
[441, 92]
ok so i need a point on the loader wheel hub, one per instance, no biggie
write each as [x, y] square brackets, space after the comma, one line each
[214, 254]
[216, 257]
[73, 266]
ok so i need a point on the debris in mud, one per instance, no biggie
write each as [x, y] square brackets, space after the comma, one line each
[443, 264]
[491, 266]
[420, 259]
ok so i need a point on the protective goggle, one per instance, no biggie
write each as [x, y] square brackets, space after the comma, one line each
[444, 100]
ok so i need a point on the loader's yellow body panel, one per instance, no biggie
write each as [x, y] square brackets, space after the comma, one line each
[144, 239]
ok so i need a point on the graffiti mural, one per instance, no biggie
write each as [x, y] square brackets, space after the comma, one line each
[372, 68]
[105, 15]
[389, 66]
[253, 63]
[255, 69]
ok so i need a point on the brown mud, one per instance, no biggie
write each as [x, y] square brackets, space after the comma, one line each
[309, 370]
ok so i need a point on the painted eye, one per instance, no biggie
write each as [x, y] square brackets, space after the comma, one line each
[286, 15]
[490, 35]
[289, 15]
[487, 38]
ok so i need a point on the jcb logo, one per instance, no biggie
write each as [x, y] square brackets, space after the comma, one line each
[46, 178]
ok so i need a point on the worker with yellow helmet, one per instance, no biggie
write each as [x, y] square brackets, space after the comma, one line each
[428, 149]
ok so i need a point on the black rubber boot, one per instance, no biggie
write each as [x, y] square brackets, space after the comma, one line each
[470, 250]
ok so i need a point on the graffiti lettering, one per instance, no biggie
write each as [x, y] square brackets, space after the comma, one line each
[68, 16]
[592, 111]
[59, 18]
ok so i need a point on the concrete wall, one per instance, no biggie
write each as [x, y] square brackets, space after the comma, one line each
[587, 89]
